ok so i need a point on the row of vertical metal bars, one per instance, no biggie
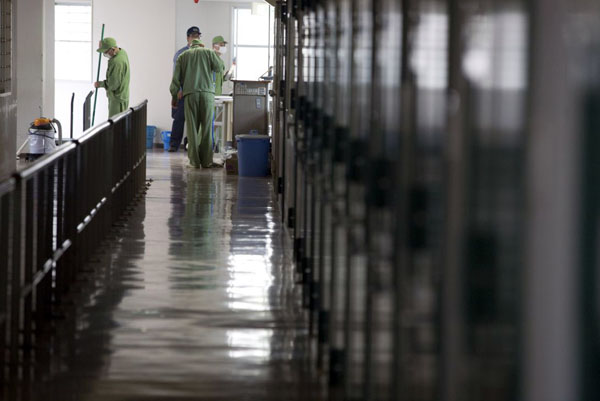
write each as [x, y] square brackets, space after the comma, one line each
[437, 165]
[53, 216]
[5, 46]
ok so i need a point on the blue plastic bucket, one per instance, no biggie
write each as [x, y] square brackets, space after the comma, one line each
[253, 155]
[150, 130]
[166, 137]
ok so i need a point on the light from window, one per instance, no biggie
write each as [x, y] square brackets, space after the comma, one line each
[74, 57]
[252, 29]
[253, 42]
[73, 43]
[5, 46]
[430, 47]
[497, 51]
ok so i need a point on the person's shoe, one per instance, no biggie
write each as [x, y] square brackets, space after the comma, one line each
[215, 165]
[171, 150]
[190, 165]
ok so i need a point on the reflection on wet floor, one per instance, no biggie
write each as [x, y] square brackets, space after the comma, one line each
[193, 298]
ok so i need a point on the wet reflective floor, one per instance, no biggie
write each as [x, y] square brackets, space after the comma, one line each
[192, 298]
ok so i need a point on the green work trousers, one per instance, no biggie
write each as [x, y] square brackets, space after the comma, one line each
[116, 106]
[199, 108]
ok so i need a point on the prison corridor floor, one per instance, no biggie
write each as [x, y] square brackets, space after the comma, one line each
[192, 297]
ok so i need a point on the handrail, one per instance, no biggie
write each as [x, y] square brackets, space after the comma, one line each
[7, 186]
[92, 131]
[87, 135]
[117, 117]
[45, 161]
[56, 211]
[140, 106]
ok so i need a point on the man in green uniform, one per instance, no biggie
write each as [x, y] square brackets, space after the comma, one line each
[117, 76]
[194, 73]
[219, 46]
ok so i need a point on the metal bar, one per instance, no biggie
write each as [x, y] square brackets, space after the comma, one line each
[72, 110]
[6, 227]
[16, 277]
[45, 161]
[93, 132]
[91, 180]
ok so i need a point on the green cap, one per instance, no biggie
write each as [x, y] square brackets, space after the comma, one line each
[106, 44]
[218, 39]
[196, 42]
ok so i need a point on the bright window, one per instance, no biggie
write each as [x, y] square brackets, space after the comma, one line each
[496, 51]
[73, 43]
[430, 47]
[253, 41]
[74, 57]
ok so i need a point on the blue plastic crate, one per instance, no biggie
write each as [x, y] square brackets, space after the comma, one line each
[150, 131]
[166, 137]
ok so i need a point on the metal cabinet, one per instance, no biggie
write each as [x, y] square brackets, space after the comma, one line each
[250, 107]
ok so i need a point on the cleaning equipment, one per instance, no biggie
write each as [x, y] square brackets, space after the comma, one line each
[42, 136]
[253, 155]
[166, 137]
[97, 78]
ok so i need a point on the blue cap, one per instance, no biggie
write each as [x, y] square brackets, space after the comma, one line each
[192, 30]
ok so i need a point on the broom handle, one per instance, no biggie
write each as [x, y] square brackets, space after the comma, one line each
[97, 78]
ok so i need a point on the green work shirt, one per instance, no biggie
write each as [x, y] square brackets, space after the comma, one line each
[219, 79]
[117, 77]
[194, 71]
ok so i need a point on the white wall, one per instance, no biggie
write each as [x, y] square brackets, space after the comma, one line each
[212, 17]
[34, 63]
[151, 31]
[146, 30]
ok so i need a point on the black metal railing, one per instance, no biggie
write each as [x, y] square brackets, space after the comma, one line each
[53, 215]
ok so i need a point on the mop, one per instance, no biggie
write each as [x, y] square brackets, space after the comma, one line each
[97, 78]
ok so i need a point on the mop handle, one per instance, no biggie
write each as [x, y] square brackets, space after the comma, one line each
[97, 78]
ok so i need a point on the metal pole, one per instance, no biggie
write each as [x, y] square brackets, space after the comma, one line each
[97, 78]
[55, 121]
[72, 103]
